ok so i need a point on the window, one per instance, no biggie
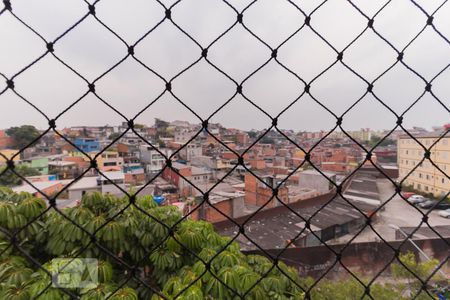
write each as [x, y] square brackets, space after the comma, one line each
[420, 175]
[109, 164]
[443, 180]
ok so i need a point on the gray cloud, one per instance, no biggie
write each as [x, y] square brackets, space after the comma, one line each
[91, 50]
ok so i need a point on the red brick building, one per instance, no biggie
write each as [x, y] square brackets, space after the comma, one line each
[184, 188]
[257, 193]
[257, 163]
[242, 138]
[208, 213]
[5, 140]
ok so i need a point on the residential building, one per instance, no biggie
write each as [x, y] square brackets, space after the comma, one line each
[362, 135]
[230, 205]
[131, 138]
[425, 177]
[109, 161]
[257, 193]
[190, 151]
[330, 217]
[129, 153]
[183, 134]
[42, 189]
[176, 174]
[242, 138]
[134, 173]
[179, 175]
[312, 179]
[5, 140]
[81, 161]
[200, 177]
[87, 144]
[386, 154]
[153, 160]
[8, 154]
[257, 163]
[112, 183]
[40, 178]
[63, 169]
[94, 131]
[212, 163]
[38, 163]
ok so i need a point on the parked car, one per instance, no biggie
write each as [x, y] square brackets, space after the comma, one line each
[434, 204]
[416, 199]
[406, 195]
[428, 203]
[445, 213]
[443, 205]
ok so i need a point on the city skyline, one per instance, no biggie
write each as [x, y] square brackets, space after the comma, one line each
[152, 124]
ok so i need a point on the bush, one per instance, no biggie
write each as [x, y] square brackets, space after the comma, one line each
[180, 258]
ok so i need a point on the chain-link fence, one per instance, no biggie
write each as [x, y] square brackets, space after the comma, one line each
[21, 237]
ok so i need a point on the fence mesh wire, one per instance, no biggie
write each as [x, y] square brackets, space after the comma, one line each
[203, 56]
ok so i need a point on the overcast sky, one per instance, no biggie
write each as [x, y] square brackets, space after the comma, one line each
[91, 50]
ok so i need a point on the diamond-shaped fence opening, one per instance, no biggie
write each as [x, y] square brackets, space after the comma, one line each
[250, 209]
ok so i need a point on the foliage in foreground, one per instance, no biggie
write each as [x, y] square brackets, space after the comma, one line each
[191, 261]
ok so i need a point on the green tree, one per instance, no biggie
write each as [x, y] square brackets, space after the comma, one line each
[252, 134]
[352, 289]
[175, 262]
[181, 258]
[9, 178]
[114, 135]
[421, 270]
[23, 135]
[139, 126]
[266, 140]
[410, 269]
[159, 123]
[375, 139]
